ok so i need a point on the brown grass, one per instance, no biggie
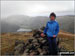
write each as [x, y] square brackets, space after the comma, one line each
[67, 40]
[8, 40]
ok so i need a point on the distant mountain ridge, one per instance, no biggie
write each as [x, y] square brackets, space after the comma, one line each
[66, 22]
[8, 27]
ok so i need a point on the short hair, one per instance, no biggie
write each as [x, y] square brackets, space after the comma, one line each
[52, 14]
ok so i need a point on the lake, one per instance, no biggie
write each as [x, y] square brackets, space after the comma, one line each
[24, 30]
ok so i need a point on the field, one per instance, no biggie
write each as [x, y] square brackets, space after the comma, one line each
[67, 40]
[8, 40]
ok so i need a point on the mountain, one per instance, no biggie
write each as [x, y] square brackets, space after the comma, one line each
[66, 22]
[8, 27]
[18, 19]
[26, 21]
[39, 21]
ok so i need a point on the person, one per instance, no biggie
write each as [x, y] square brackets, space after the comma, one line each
[52, 30]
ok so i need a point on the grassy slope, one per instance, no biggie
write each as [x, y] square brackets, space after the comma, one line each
[8, 40]
[67, 40]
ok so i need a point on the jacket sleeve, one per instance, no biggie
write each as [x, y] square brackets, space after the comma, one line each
[45, 30]
[57, 29]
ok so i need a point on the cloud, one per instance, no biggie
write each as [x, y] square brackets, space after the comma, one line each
[35, 8]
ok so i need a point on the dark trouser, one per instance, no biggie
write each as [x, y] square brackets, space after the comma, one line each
[52, 45]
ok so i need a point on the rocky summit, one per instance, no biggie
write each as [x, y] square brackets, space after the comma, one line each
[36, 46]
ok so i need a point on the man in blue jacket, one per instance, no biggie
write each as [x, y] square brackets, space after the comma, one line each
[52, 30]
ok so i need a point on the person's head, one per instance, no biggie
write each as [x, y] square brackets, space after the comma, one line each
[52, 16]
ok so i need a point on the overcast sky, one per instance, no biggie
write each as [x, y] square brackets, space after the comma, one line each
[36, 8]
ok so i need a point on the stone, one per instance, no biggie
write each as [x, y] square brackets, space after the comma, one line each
[19, 49]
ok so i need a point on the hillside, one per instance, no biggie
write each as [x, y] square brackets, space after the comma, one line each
[66, 22]
[8, 27]
[8, 40]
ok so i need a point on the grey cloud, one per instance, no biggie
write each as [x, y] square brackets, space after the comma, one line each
[35, 8]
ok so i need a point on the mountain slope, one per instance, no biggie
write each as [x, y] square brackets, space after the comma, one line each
[66, 22]
[7, 27]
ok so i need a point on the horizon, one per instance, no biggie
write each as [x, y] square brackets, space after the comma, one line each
[33, 16]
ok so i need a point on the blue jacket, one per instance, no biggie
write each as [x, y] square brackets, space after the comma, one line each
[52, 28]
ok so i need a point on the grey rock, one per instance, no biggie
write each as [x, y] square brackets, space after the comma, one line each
[19, 49]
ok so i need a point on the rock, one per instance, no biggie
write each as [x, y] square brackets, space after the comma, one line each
[19, 48]
[42, 28]
[32, 53]
[19, 42]
[39, 50]
[37, 34]
[27, 50]
[37, 45]
[40, 39]
[35, 40]
[44, 53]
[29, 41]
[43, 41]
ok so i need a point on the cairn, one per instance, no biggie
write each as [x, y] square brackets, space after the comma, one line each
[36, 46]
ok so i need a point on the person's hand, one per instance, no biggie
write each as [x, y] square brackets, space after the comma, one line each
[54, 36]
[42, 35]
